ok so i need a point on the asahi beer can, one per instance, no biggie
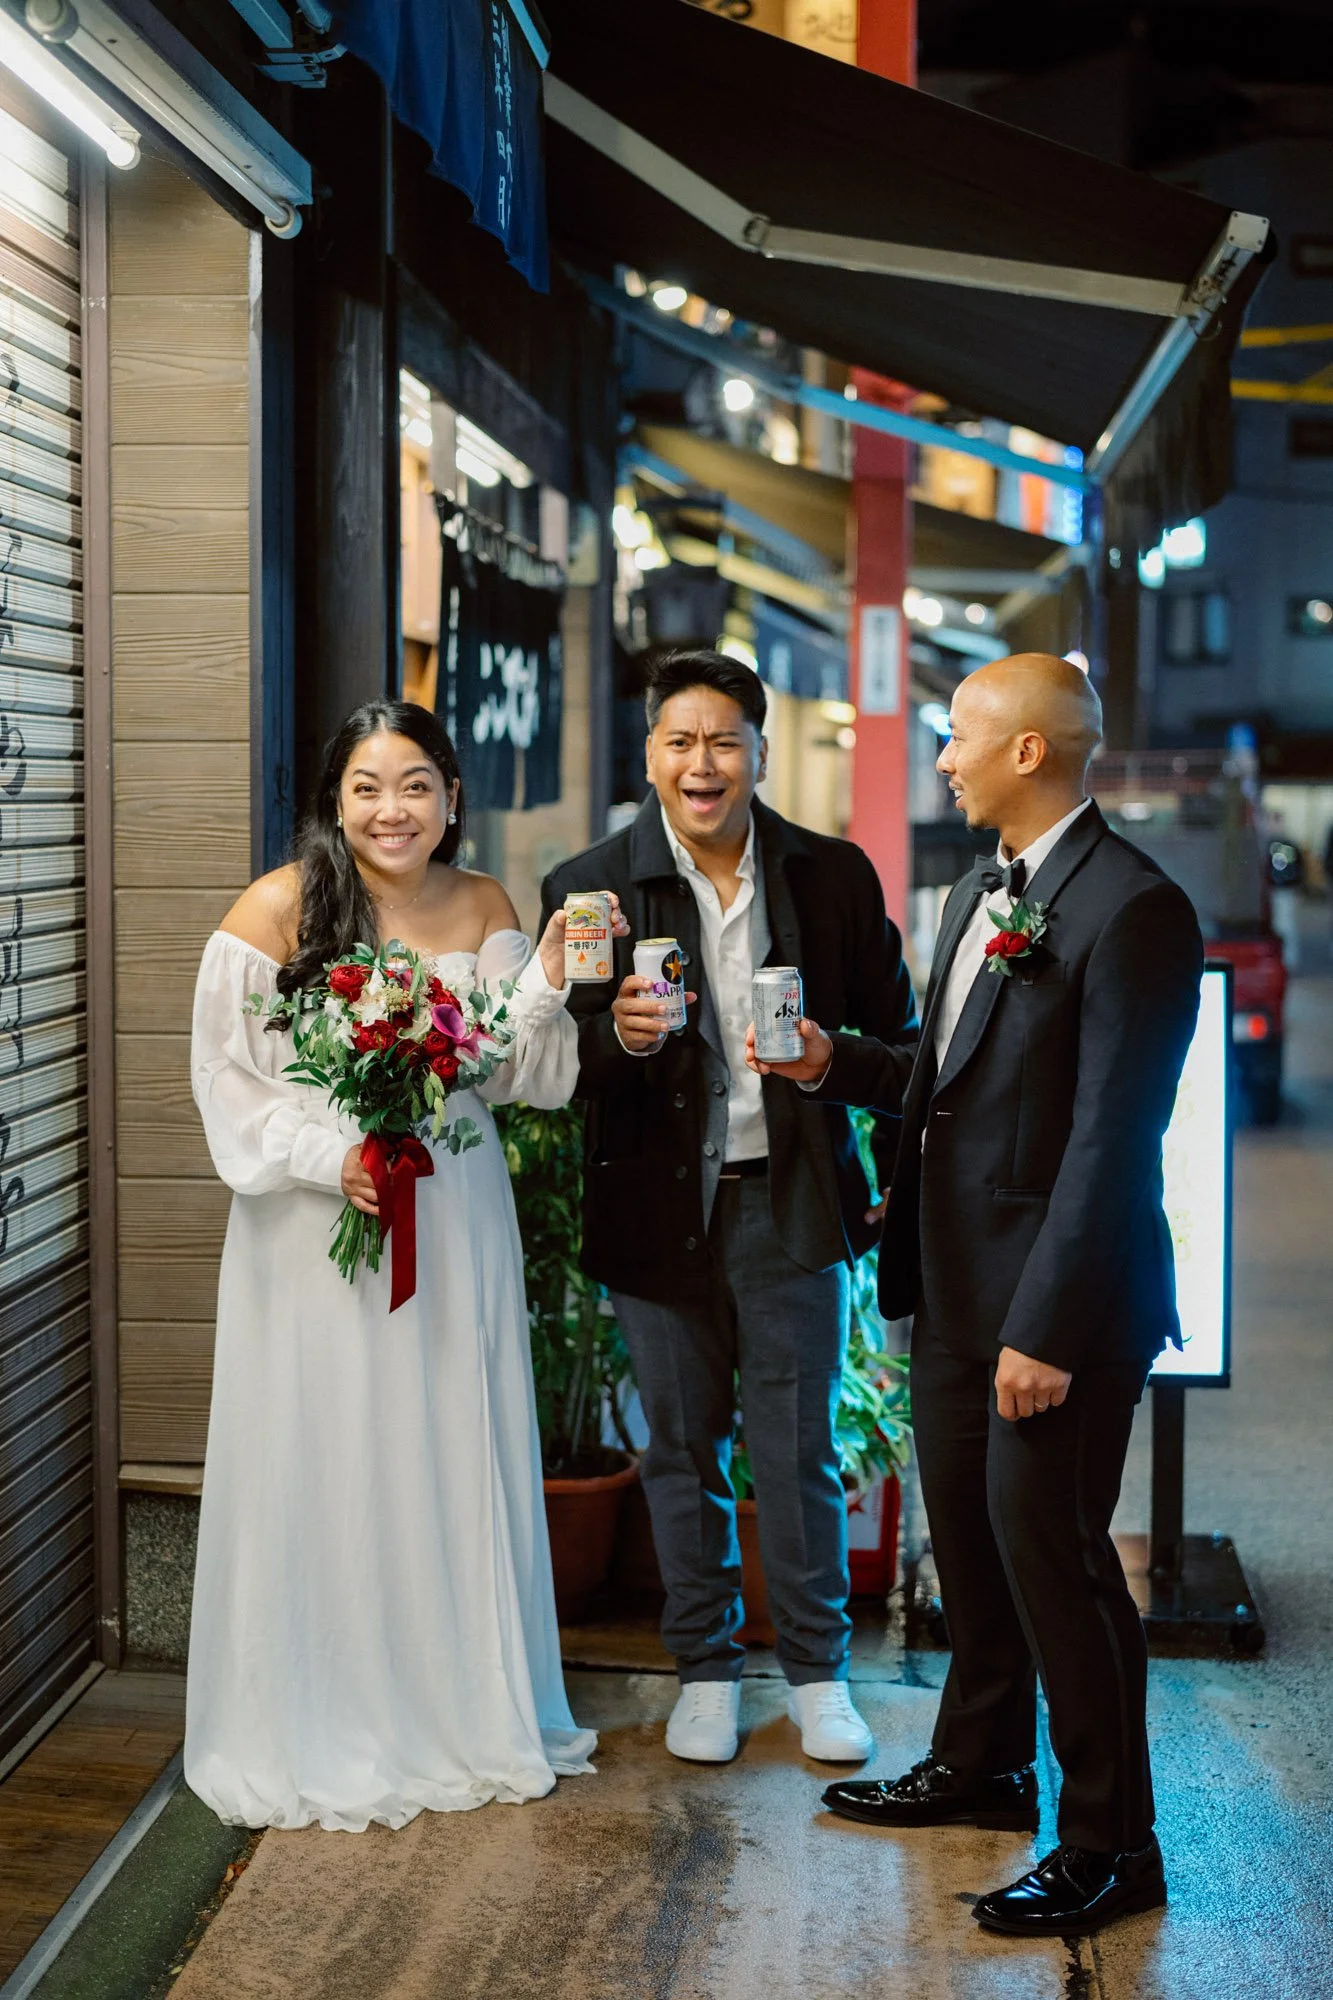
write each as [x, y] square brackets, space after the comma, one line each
[659, 959]
[588, 936]
[778, 1005]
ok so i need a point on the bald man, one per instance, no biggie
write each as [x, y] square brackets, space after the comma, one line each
[1025, 1230]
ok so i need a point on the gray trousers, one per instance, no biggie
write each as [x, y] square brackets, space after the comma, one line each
[783, 1329]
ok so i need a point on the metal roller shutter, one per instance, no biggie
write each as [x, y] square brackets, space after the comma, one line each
[46, 1476]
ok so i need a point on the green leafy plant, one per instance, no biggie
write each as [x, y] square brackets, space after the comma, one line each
[580, 1367]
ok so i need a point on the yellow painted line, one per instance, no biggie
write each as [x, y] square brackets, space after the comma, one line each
[1284, 336]
[1279, 392]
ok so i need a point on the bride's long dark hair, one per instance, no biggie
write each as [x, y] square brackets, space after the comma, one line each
[336, 911]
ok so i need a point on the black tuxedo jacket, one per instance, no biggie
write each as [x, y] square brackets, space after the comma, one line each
[644, 1230]
[1032, 1215]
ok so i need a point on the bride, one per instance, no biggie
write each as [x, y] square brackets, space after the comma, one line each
[374, 1628]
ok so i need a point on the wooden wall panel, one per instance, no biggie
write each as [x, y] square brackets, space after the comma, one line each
[182, 814]
[180, 478]
[166, 1372]
[179, 656]
[180, 371]
[170, 1234]
[158, 1129]
[169, 239]
[180, 548]
[160, 936]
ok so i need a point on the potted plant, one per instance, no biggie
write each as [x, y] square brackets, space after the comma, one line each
[580, 1367]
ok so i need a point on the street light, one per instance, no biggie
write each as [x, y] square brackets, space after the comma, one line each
[738, 394]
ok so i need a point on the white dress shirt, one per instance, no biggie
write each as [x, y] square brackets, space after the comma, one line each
[970, 957]
[726, 940]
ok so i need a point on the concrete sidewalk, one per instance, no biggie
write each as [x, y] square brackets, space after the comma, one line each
[657, 1881]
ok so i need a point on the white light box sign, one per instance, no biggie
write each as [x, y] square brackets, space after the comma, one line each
[1196, 1161]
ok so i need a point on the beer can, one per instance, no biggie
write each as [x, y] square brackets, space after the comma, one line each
[778, 1006]
[659, 959]
[589, 952]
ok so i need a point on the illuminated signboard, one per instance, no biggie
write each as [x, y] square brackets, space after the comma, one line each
[1196, 1160]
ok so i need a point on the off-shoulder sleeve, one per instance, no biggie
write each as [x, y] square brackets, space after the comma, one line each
[543, 1063]
[263, 1131]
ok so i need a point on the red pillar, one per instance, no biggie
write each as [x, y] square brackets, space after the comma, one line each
[880, 550]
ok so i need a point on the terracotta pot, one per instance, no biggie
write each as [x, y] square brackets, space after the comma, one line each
[581, 1518]
[758, 1627]
[873, 1570]
[635, 1571]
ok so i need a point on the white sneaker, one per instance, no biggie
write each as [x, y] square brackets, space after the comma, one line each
[830, 1727]
[704, 1721]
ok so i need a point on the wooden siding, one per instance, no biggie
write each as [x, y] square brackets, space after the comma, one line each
[180, 471]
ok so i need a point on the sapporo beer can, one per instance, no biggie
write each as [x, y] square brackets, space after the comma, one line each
[659, 960]
[588, 947]
[778, 1006]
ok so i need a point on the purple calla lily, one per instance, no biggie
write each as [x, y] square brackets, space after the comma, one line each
[447, 1020]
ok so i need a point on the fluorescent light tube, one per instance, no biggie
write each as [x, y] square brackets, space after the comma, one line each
[44, 73]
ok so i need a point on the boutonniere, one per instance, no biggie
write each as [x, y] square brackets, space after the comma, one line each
[1015, 936]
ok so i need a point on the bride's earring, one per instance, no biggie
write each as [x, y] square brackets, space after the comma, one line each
[340, 822]
[453, 819]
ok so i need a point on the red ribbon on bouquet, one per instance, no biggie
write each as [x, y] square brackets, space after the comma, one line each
[395, 1166]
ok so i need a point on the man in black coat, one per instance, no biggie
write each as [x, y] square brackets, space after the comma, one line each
[1025, 1227]
[723, 1214]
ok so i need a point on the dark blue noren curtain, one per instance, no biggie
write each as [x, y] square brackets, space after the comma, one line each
[501, 681]
[460, 73]
[797, 658]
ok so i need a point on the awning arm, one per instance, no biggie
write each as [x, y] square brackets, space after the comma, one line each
[719, 352]
[746, 230]
[1243, 238]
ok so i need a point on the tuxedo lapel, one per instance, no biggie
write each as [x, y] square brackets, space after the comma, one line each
[1059, 867]
[957, 916]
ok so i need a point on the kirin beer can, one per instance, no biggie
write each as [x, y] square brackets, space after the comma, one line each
[588, 936]
[778, 1005]
[659, 959]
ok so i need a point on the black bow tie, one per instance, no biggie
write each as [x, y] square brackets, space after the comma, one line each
[1010, 879]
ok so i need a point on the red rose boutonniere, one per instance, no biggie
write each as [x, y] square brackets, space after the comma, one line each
[1015, 935]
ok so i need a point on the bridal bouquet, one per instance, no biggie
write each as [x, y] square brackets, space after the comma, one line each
[389, 1043]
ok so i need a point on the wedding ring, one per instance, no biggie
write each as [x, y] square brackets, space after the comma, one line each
[1041, 1406]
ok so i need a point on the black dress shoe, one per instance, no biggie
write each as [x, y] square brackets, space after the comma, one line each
[1077, 1890]
[931, 1794]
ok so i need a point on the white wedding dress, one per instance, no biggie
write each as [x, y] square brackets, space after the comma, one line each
[374, 1629]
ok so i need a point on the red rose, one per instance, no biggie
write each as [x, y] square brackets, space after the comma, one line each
[1008, 944]
[348, 981]
[378, 1035]
[445, 1067]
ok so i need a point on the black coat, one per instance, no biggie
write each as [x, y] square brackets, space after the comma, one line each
[1033, 1216]
[644, 1230]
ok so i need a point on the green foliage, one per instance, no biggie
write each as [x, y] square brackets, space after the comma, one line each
[579, 1363]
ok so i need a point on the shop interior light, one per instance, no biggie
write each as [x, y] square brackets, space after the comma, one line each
[738, 394]
[737, 649]
[45, 74]
[475, 468]
[1319, 611]
[652, 556]
[1185, 547]
[1152, 569]
[921, 609]
[496, 462]
[935, 716]
[845, 739]
[976, 614]
[843, 712]
[631, 528]
[669, 298]
[1077, 659]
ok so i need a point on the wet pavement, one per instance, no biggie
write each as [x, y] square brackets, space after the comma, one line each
[658, 1881]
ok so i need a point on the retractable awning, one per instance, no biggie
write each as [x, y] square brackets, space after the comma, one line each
[903, 233]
